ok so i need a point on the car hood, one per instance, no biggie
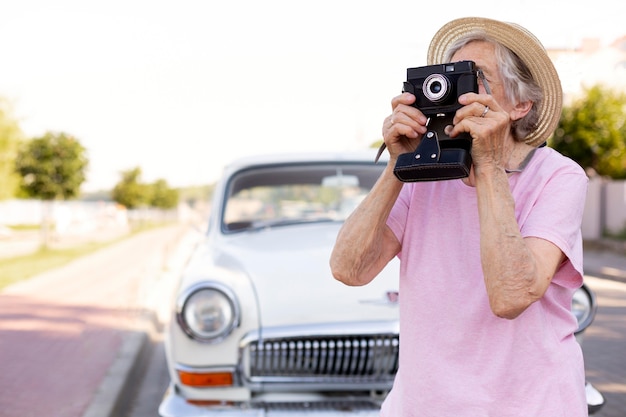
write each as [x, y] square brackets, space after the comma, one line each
[289, 270]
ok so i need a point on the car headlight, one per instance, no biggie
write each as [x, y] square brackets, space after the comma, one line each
[584, 307]
[208, 311]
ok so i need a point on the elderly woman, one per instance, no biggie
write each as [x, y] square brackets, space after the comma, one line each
[489, 262]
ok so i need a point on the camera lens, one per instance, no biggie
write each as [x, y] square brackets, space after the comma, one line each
[436, 88]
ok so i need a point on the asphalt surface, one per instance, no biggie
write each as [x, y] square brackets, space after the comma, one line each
[604, 344]
[72, 340]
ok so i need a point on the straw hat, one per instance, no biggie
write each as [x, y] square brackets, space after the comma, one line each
[526, 46]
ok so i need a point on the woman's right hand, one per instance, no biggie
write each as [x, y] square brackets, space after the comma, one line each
[403, 129]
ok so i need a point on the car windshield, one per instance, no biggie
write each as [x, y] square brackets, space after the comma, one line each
[283, 195]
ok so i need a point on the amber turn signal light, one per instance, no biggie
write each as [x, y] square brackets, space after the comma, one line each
[206, 379]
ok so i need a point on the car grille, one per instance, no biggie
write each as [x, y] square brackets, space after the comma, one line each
[370, 360]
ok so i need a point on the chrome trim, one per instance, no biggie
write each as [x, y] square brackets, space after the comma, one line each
[593, 306]
[208, 285]
[333, 329]
[174, 405]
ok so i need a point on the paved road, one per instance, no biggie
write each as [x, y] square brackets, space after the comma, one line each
[68, 337]
[604, 346]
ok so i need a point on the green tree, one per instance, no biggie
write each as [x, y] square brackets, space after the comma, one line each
[162, 196]
[10, 138]
[592, 131]
[52, 166]
[130, 191]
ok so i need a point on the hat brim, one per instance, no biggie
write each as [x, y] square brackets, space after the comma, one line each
[527, 47]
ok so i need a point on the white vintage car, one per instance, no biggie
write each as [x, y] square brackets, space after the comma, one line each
[261, 327]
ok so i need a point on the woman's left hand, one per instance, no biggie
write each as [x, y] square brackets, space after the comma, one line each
[489, 126]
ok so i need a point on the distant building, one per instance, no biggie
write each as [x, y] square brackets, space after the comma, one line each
[590, 64]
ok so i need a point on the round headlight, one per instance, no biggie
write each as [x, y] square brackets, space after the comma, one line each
[208, 312]
[583, 307]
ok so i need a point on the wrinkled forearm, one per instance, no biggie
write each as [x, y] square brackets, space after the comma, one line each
[509, 267]
[365, 244]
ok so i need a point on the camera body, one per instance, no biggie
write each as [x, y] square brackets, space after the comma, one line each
[437, 89]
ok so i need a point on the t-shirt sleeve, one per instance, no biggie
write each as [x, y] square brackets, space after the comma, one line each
[556, 216]
[398, 217]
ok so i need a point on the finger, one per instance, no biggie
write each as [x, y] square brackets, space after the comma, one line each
[408, 115]
[469, 98]
[484, 99]
[404, 98]
[475, 109]
[400, 125]
[404, 124]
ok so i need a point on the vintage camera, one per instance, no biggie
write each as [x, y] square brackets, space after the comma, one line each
[437, 89]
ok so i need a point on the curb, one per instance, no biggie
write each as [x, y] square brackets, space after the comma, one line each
[116, 390]
[119, 387]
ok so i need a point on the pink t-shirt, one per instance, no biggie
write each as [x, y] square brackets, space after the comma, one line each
[456, 357]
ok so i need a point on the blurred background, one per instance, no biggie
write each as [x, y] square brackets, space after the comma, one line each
[163, 94]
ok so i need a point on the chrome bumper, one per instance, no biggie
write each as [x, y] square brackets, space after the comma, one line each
[174, 405]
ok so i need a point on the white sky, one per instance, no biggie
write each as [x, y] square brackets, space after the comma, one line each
[164, 84]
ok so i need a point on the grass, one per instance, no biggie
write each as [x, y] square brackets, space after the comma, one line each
[22, 267]
[25, 227]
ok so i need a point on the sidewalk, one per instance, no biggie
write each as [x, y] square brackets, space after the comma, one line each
[23, 242]
[70, 338]
[605, 259]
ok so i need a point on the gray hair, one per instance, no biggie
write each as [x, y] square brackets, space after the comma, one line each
[519, 85]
